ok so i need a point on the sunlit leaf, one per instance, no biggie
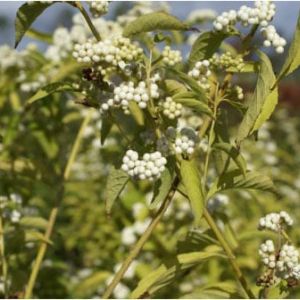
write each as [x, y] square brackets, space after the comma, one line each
[152, 22]
[191, 179]
[26, 15]
[116, 181]
[263, 101]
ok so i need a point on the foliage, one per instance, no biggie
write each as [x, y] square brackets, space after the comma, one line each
[229, 157]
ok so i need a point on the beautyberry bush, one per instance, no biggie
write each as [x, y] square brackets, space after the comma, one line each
[137, 161]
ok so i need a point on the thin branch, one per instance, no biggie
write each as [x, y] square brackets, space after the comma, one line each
[53, 214]
[237, 271]
[2, 255]
[88, 20]
[141, 242]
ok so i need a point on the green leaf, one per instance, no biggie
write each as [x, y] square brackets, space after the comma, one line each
[192, 83]
[105, 129]
[261, 105]
[206, 45]
[191, 179]
[174, 87]
[267, 109]
[162, 186]
[26, 15]
[234, 154]
[35, 236]
[137, 113]
[195, 105]
[292, 60]
[234, 180]
[152, 22]
[195, 240]
[222, 290]
[35, 222]
[88, 286]
[48, 90]
[38, 35]
[116, 182]
[163, 275]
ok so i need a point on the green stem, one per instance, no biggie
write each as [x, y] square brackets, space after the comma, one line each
[141, 242]
[2, 255]
[88, 20]
[238, 273]
[286, 236]
[53, 214]
[211, 135]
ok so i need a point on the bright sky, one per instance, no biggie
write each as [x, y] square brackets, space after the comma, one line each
[285, 19]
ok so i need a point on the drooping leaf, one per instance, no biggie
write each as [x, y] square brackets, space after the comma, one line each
[38, 35]
[234, 154]
[234, 180]
[292, 61]
[162, 186]
[267, 109]
[191, 179]
[195, 240]
[192, 83]
[206, 45]
[34, 222]
[174, 87]
[195, 105]
[218, 290]
[137, 113]
[257, 108]
[105, 129]
[36, 236]
[48, 90]
[116, 181]
[152, 22]
[26, 15]
[164, 275]
[88, 286]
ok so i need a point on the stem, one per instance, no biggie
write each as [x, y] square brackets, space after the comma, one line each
[141, 242]
[41, 254]
[229, 252]
[211, 135]
[88, 20]
[53, 214]
[2, 255]
[286, 236]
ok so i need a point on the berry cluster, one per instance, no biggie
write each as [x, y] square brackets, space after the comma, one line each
[267, 254]
[287, 260]
[110, 51]
[171, 57]
[171, 109]
[150, 167]
[98, 8]
[201, 72]
[186, 141]
[275, 221]
[261, 14]
[128, 92]
[226, 60]
[273, 38]
[226, 19]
